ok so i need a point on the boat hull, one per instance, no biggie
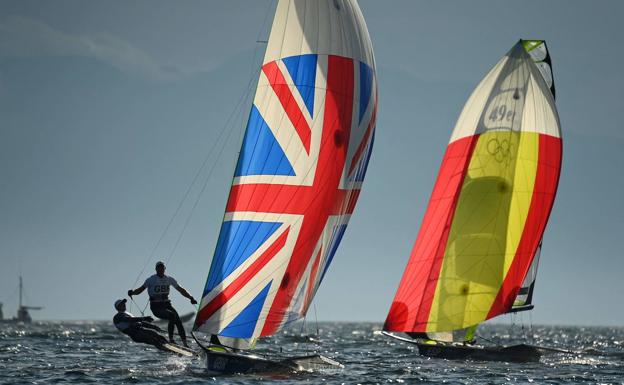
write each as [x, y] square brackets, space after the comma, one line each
[230, 363]
[516, 353]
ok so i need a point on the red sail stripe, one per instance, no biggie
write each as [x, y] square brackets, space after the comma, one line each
[546, 181]
[326, 185]
[285, 96]
[412, 303]
[364, 142]
[272, 198]
[218, 301]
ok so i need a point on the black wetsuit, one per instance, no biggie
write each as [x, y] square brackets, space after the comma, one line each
[164, 310]
[138, 329]
[158, 291]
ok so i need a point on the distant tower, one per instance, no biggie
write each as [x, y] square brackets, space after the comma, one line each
[1, 314]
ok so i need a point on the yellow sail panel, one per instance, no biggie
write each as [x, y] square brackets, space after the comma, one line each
[486, 229]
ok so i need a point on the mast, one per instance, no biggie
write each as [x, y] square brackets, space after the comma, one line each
[20, 292]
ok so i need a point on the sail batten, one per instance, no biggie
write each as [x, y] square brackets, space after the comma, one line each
[304, 155]
[490, 203]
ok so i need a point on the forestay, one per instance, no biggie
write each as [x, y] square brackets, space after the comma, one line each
[305, 152]
[489, 205]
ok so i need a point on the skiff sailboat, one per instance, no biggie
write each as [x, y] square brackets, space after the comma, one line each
[301, 166]
[476, 254]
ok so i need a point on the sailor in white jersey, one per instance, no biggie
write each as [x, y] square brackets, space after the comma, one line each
[158, 290]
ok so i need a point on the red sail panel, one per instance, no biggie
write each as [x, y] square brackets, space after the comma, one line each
[413, 299]
[546, 182]
[422, 300]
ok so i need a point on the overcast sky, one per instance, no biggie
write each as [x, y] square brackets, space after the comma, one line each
[108, 109]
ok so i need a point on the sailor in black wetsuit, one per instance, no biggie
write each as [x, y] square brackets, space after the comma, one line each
[138, 328]
[158, 290]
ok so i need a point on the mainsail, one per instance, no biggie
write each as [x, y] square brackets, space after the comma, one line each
[524, 299]
[538, 51]
[490, 203]
[304, 156]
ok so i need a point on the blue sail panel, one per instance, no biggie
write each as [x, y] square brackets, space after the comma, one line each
[245, 322]
[302, 70]
[366, 87]
[261, 154]
[333, 247]
[294, 312]
[361, 172]
[238, 240]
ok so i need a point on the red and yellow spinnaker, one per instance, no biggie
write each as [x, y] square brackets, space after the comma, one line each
[490, 203]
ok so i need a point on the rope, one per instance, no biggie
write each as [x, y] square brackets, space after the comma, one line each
[188, 191]
[138, 307]
[490, 341]
[227, 124]
[318, 334]
[235, 114]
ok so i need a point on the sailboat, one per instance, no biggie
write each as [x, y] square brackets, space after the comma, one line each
[23, 315]
[303, 159]
[477, 252]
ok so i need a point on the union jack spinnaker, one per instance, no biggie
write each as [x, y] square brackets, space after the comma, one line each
[303, 159]
[474, 257]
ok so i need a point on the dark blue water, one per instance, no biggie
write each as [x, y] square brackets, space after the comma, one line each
[94, 352]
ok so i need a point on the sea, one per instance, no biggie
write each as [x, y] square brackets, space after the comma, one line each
[95, 353]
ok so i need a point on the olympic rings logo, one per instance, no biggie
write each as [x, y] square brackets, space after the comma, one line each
[500, 149]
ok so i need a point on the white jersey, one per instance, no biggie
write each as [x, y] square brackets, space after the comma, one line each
[158, 287]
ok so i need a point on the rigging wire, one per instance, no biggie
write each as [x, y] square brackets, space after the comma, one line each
[251, 86]
[318, 334]
[318, 341]
[235, 112]
[138, 307]
[209, 154]
[178, 208]
[193, 183]
[234, 115]
[207, 179]
[489, 340]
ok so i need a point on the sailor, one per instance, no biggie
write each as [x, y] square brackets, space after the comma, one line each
[138, 328]
[158, 290]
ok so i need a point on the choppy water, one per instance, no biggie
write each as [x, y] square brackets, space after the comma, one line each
[93, 352]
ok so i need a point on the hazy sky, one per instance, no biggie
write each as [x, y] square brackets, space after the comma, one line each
[108, 109]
